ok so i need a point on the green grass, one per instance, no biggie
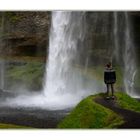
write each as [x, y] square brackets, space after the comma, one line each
[89, 114]
[12, 126]
[126, 102]
[30, 74]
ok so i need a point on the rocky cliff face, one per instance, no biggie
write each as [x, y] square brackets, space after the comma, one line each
[24, 33]
[27, 33]
[99, 36]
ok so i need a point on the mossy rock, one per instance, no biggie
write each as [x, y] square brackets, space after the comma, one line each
[127, 102]
[89, 114]
[12, 126]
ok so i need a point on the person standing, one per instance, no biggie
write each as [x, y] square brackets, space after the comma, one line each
[109, 79]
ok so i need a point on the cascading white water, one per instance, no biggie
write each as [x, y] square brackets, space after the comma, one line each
[130, 68]
[116, 42]
[66, 31]
[128, 55]
[65, 85]
[63, 81]
[2, 62]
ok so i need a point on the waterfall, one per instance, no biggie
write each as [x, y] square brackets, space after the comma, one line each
[62, 79]
[116, 37]
[125, 52]
[2, 62]
[66, 81]
[129, 58]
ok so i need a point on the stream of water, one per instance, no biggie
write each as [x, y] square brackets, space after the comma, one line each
[63, 82]
[128, 53]
[130, 68]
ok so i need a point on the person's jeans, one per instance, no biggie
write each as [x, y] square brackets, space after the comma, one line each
[112, 89]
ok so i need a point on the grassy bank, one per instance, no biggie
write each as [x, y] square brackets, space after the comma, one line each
[12, 126]
[88, 114]
[126, 102]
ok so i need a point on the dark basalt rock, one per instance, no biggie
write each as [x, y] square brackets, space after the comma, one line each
[24, 33]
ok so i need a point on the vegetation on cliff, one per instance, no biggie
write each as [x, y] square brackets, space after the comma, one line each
[29, 75]
[13, 126]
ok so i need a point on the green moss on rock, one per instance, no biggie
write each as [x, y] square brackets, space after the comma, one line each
[30, 75]
[12, 126]
[127, 102]
[89, 114]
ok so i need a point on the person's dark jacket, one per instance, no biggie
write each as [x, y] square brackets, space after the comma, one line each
[109, 76]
